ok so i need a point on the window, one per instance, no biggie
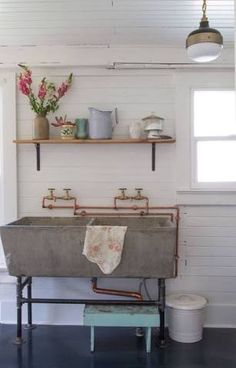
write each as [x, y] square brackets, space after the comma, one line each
[213, 139]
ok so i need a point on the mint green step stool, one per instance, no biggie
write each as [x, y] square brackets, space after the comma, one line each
[121, 316]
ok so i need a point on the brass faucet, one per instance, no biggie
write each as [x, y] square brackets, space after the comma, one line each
[121, 197]
[138, 196]
[51, 196]
[67, 195]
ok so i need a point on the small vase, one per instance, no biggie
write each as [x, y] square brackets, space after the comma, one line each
[40, 127]
[135, 130]
[67, 131]
[81, 128]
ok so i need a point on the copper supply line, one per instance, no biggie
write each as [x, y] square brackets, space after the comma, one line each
[76, 207]
[146, 207]
[126, 214]
[177, 219]
[128, 294]
[53, 206]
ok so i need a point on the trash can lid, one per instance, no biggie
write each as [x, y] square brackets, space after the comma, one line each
[186, 301]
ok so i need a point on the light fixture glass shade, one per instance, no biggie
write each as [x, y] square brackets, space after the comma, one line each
[204, 52]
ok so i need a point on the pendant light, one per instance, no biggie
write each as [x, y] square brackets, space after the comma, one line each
[205, 43]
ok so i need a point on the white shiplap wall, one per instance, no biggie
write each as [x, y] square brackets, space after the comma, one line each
[207, 235]
[95, 172]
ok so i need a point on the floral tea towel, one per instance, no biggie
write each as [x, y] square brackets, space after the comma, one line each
[103, 245]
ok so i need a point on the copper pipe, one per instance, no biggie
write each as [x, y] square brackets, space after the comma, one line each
[134, 206]
[162, 207]
[142, 198]
[127, 214]
[52, 207]
[177, 218]
[46, 198]
[128, 294]
[120, 199]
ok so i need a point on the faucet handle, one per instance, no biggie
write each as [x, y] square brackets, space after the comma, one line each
[123, 195]
[122, 189]
[51, 191]
[67, 193]
[50, 196]
[139, 192]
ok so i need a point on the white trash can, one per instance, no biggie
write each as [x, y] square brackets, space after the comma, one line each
[185, 317]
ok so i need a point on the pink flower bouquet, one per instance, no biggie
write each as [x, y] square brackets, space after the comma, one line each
[48, 96]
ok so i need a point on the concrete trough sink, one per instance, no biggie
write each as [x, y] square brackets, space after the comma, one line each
[52, 246]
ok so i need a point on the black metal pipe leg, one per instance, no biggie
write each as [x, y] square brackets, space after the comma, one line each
[29, 325]
[162, 327]
[162, 299]
[19, 340]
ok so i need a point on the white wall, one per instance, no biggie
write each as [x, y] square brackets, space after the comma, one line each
[95, 172]
[207, 236]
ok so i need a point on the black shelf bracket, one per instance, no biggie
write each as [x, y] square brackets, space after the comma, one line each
[37, 147]
[153, 156]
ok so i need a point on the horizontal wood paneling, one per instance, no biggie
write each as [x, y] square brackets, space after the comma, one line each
[204, 251]
[94, 172]
[208, 241]
[68, 22]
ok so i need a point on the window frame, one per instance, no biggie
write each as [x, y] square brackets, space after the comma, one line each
[195, 184]
[185, 81]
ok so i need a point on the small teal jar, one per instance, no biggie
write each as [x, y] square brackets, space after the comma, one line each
[81, 128]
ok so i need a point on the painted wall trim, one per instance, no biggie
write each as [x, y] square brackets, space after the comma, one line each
[8, 159]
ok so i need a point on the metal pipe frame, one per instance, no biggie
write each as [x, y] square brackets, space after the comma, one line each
[89, 301]
[20, 300]
[161, 307]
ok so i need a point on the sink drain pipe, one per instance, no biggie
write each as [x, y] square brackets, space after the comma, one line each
[128, 294]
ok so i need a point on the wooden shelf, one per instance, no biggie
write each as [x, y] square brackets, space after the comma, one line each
[92, 141]
[38, 142]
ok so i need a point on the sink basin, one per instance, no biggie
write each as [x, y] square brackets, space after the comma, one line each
[52, 246]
